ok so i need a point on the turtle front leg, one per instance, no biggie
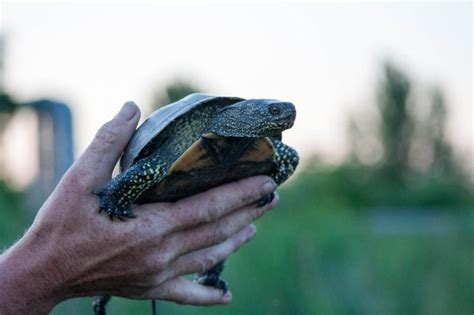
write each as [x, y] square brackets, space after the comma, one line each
[287, 160]
[118, 195]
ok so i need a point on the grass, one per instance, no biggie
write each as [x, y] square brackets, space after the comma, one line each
[336, 263]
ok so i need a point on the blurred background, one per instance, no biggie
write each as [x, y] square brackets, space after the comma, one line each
[378, 218]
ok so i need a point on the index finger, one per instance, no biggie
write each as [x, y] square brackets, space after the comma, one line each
[214, 203]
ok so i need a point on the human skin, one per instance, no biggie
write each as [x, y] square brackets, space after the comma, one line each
[71, 250]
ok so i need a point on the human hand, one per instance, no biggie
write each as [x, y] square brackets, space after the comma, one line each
[71, 250]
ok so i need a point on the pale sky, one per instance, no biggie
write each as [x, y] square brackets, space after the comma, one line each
[324, 57]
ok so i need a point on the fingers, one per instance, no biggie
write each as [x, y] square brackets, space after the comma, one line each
[204, 259]
[95, 166]
[214, 203]
[182, 291]
[207, 235]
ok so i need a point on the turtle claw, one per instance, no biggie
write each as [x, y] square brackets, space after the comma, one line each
[114, 211]
[212, 278]
[265, 200]
[213, 281]
[113, 214]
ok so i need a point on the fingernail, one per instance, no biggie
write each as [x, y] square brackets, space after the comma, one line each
[127, 112]
[227, 296]
[251, 231]
[269, 186]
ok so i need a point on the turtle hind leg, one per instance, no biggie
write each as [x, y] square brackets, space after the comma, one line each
[212, 278]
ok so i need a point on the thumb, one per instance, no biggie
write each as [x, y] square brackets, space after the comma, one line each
[94, 168]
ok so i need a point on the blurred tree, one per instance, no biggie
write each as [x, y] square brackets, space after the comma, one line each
[7, 105]
[353, 135]
[172, 92]
[396, 124]
[435, 129]
[401, 143]
[404, 154]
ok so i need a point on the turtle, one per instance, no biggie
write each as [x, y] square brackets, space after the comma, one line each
[197, 143]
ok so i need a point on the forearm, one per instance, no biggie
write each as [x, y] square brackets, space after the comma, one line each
[30, 278]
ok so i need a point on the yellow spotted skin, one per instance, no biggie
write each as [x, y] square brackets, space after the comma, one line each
[286, 159]
[118, 195]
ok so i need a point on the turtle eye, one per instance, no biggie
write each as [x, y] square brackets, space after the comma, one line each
[275, 111]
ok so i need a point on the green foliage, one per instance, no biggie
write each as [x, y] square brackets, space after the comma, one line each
[360, 187]
[7, 108]
[13, 216]
[312, 255]
[173, 92]
[7, 105]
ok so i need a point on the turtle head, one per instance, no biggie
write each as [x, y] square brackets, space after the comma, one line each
[254, 118]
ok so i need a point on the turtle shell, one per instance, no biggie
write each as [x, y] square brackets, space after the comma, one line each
[142, 141]
[210, 161]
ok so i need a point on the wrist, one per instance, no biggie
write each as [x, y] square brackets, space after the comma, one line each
[31, 282]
